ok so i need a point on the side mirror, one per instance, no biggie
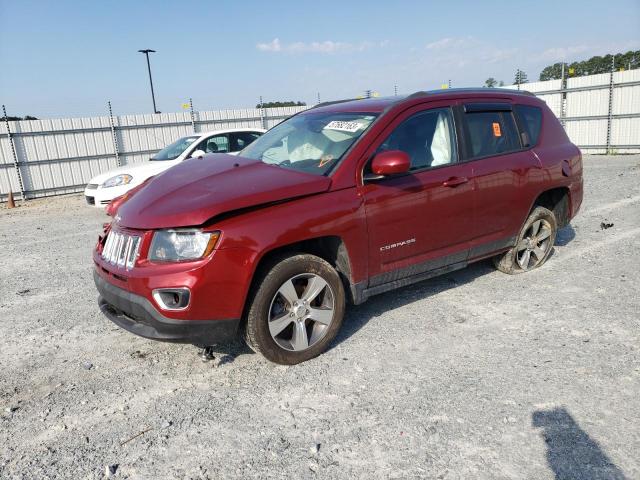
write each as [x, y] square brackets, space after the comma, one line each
[391, 162]
[197, 154]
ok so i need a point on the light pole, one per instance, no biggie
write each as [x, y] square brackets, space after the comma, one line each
[153, 97]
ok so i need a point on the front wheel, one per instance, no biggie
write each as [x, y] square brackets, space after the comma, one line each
[533, 246]
[296, 310]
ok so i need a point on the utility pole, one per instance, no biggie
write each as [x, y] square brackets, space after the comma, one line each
[563, 97]
[153, 97]
[16, 163]
[610, 113]
[263, 114]
[395, 90]
[193, 115]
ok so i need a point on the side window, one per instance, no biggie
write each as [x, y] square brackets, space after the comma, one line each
[491, 133]
[239, 140]
[217, 144]
[427, 137]
[531, 121]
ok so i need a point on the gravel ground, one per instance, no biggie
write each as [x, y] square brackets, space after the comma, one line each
[475, 374]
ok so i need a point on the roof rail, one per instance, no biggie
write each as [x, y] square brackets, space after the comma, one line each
[425, 93]
[333, 102]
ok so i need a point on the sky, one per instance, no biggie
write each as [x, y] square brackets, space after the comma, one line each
[68, 58]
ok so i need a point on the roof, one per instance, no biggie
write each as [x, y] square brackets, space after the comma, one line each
[366, 105]
[380, 104]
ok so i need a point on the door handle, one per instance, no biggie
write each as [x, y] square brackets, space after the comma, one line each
[455, 181]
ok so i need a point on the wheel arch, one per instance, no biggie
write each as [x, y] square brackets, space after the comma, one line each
[330, 248]
[558, 200]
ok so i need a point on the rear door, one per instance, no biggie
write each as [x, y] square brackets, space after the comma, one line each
[422, 220]
[504, 170]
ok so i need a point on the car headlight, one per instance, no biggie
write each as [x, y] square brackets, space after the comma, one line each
[117, 181]
[180, 245]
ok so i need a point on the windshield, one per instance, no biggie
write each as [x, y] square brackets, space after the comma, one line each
[174, 150]
[312, 142]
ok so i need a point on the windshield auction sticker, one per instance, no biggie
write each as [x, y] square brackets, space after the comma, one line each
[343, 126]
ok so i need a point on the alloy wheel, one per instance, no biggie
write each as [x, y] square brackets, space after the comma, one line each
[301, 312]
[534, 245]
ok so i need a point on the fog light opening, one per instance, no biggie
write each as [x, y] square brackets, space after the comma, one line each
[172, 298]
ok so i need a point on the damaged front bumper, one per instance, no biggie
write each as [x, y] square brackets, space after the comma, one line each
[137, 315]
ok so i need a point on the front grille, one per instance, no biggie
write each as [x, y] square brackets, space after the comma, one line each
[121, 249]
[90, 200]
[92, 186]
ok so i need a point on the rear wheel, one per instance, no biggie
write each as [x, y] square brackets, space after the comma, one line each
[533, 246]
[296, 310]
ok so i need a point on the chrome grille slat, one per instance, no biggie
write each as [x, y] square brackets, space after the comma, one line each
[127, 252]
[133, 253]
[111, 239]
[121, 249]
[114, 247]
[122, 253]
[107, 246]
[116, 253]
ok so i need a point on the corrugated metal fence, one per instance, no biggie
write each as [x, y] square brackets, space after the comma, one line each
[601, 113]
[52, 157]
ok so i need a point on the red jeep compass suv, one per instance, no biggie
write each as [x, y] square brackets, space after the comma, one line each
[336, 204]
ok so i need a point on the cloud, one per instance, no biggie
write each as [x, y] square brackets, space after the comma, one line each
[561, 53]
[465, 52]
[273, 46]
[497, 55]
[328, 46]
[321, 47]
[450, 42]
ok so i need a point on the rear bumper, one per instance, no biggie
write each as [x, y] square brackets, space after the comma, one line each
[137, 315]
[576, 194]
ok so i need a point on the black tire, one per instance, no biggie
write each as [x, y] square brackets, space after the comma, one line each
[265, 292]
[511, 261]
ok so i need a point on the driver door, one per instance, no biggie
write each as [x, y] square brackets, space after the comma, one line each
[422, 220]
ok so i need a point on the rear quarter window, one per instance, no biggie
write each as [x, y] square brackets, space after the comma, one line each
[491, 133]
[531, 122]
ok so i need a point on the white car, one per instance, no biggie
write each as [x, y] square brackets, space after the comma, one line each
[105, 187]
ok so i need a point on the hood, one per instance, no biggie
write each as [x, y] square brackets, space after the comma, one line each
[197, 190]
[139, 172]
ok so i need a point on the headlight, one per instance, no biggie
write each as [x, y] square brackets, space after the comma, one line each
[117, 181]
[179, 245]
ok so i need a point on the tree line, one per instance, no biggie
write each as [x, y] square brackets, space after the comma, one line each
[280, 104]
[520, 77]
[592, 66]
[15, 119]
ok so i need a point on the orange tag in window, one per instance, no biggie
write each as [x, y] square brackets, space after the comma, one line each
[324, 160]
[496, 130]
